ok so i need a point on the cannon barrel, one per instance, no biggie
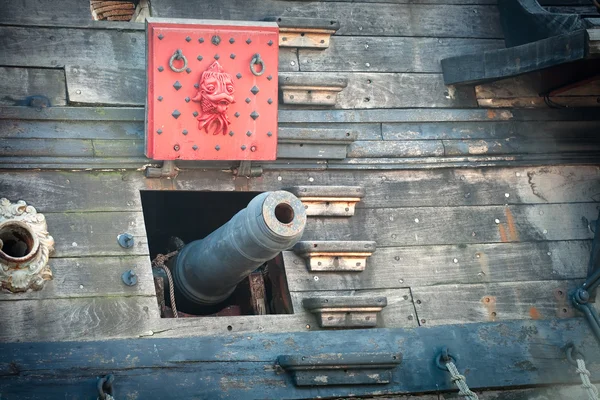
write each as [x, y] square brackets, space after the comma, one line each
[207, 271]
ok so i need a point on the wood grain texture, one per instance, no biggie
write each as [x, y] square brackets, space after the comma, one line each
[386, 90]
[92, 277]
[20, 83]
[503, 63]
[381, 19]
[413, 148]
[520, 146]
[394, 315]
[241, 366]
[95, 233]
[360, 116]
[451, 304]
[383, 54]
[463, 225]
[81, 319]
[56, 191]
[458, 264]
[102, 66]
[93, 50]
[557, 130]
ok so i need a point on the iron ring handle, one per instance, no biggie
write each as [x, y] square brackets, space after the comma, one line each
[573, 354]
[178, 55]
[257, 60]
[443, 357]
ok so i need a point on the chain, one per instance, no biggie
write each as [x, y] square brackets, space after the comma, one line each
[105, 389]
[159, 262]
[460, 381]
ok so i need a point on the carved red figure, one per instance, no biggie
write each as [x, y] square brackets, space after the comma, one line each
[215, 94]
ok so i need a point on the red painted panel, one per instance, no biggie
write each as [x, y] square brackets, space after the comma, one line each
[204, 102]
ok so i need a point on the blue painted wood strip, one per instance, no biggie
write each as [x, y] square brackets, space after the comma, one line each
[516, 353]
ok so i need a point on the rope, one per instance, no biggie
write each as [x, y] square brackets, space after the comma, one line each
[460, 381]
[159, 262]
[592, 390]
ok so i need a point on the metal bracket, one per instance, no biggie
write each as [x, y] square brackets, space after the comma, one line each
[310, 90]
[305, 32]
[345, 311]
[340, 369]
[335, 256]
[330, 201]
[168, 170]
[246, 169]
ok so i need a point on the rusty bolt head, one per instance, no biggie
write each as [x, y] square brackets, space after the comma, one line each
[129, 278]
[125, 240]
[176, 147]
[215, 40]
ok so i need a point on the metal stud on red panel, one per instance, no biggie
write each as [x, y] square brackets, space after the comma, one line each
[211, 83]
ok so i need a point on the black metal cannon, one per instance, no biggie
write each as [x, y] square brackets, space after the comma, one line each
[207, 271]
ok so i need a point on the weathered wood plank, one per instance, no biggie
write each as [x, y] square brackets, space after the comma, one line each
[93, 85]
[399, 312]
[98, 318]
[434, 265]
[95, 233]
[540, 102]
[28, 129]
[594, 42]
[20, 83]
[387, 90]
[356, 19]
[526, 86]
[503, 63]
[451, 304]
[40, 11]
[102, 66]
[448, 225]
[76, 163]
[89, 48]
[241, 366]
[46, 148]
[412, 148]
[361, 116]
[490, 130]
[12, 147]
[545, 393]
[520, 146]
[311, 151]
[91, 277]
[55, 191]
[382, 54]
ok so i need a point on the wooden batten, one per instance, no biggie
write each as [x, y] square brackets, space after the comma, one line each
[329, 201]
[305, 32]
[335, 256]
[300, 89]
[345, 311]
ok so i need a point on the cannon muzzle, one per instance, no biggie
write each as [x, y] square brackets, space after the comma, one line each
[207, 271]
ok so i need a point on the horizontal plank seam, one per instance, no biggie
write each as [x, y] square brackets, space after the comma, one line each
[499, 283]
[108, 295]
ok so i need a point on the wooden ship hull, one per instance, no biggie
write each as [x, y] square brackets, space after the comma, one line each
[444, 175]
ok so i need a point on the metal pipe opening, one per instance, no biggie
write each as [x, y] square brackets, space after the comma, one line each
[284, 213]
[18, 242]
